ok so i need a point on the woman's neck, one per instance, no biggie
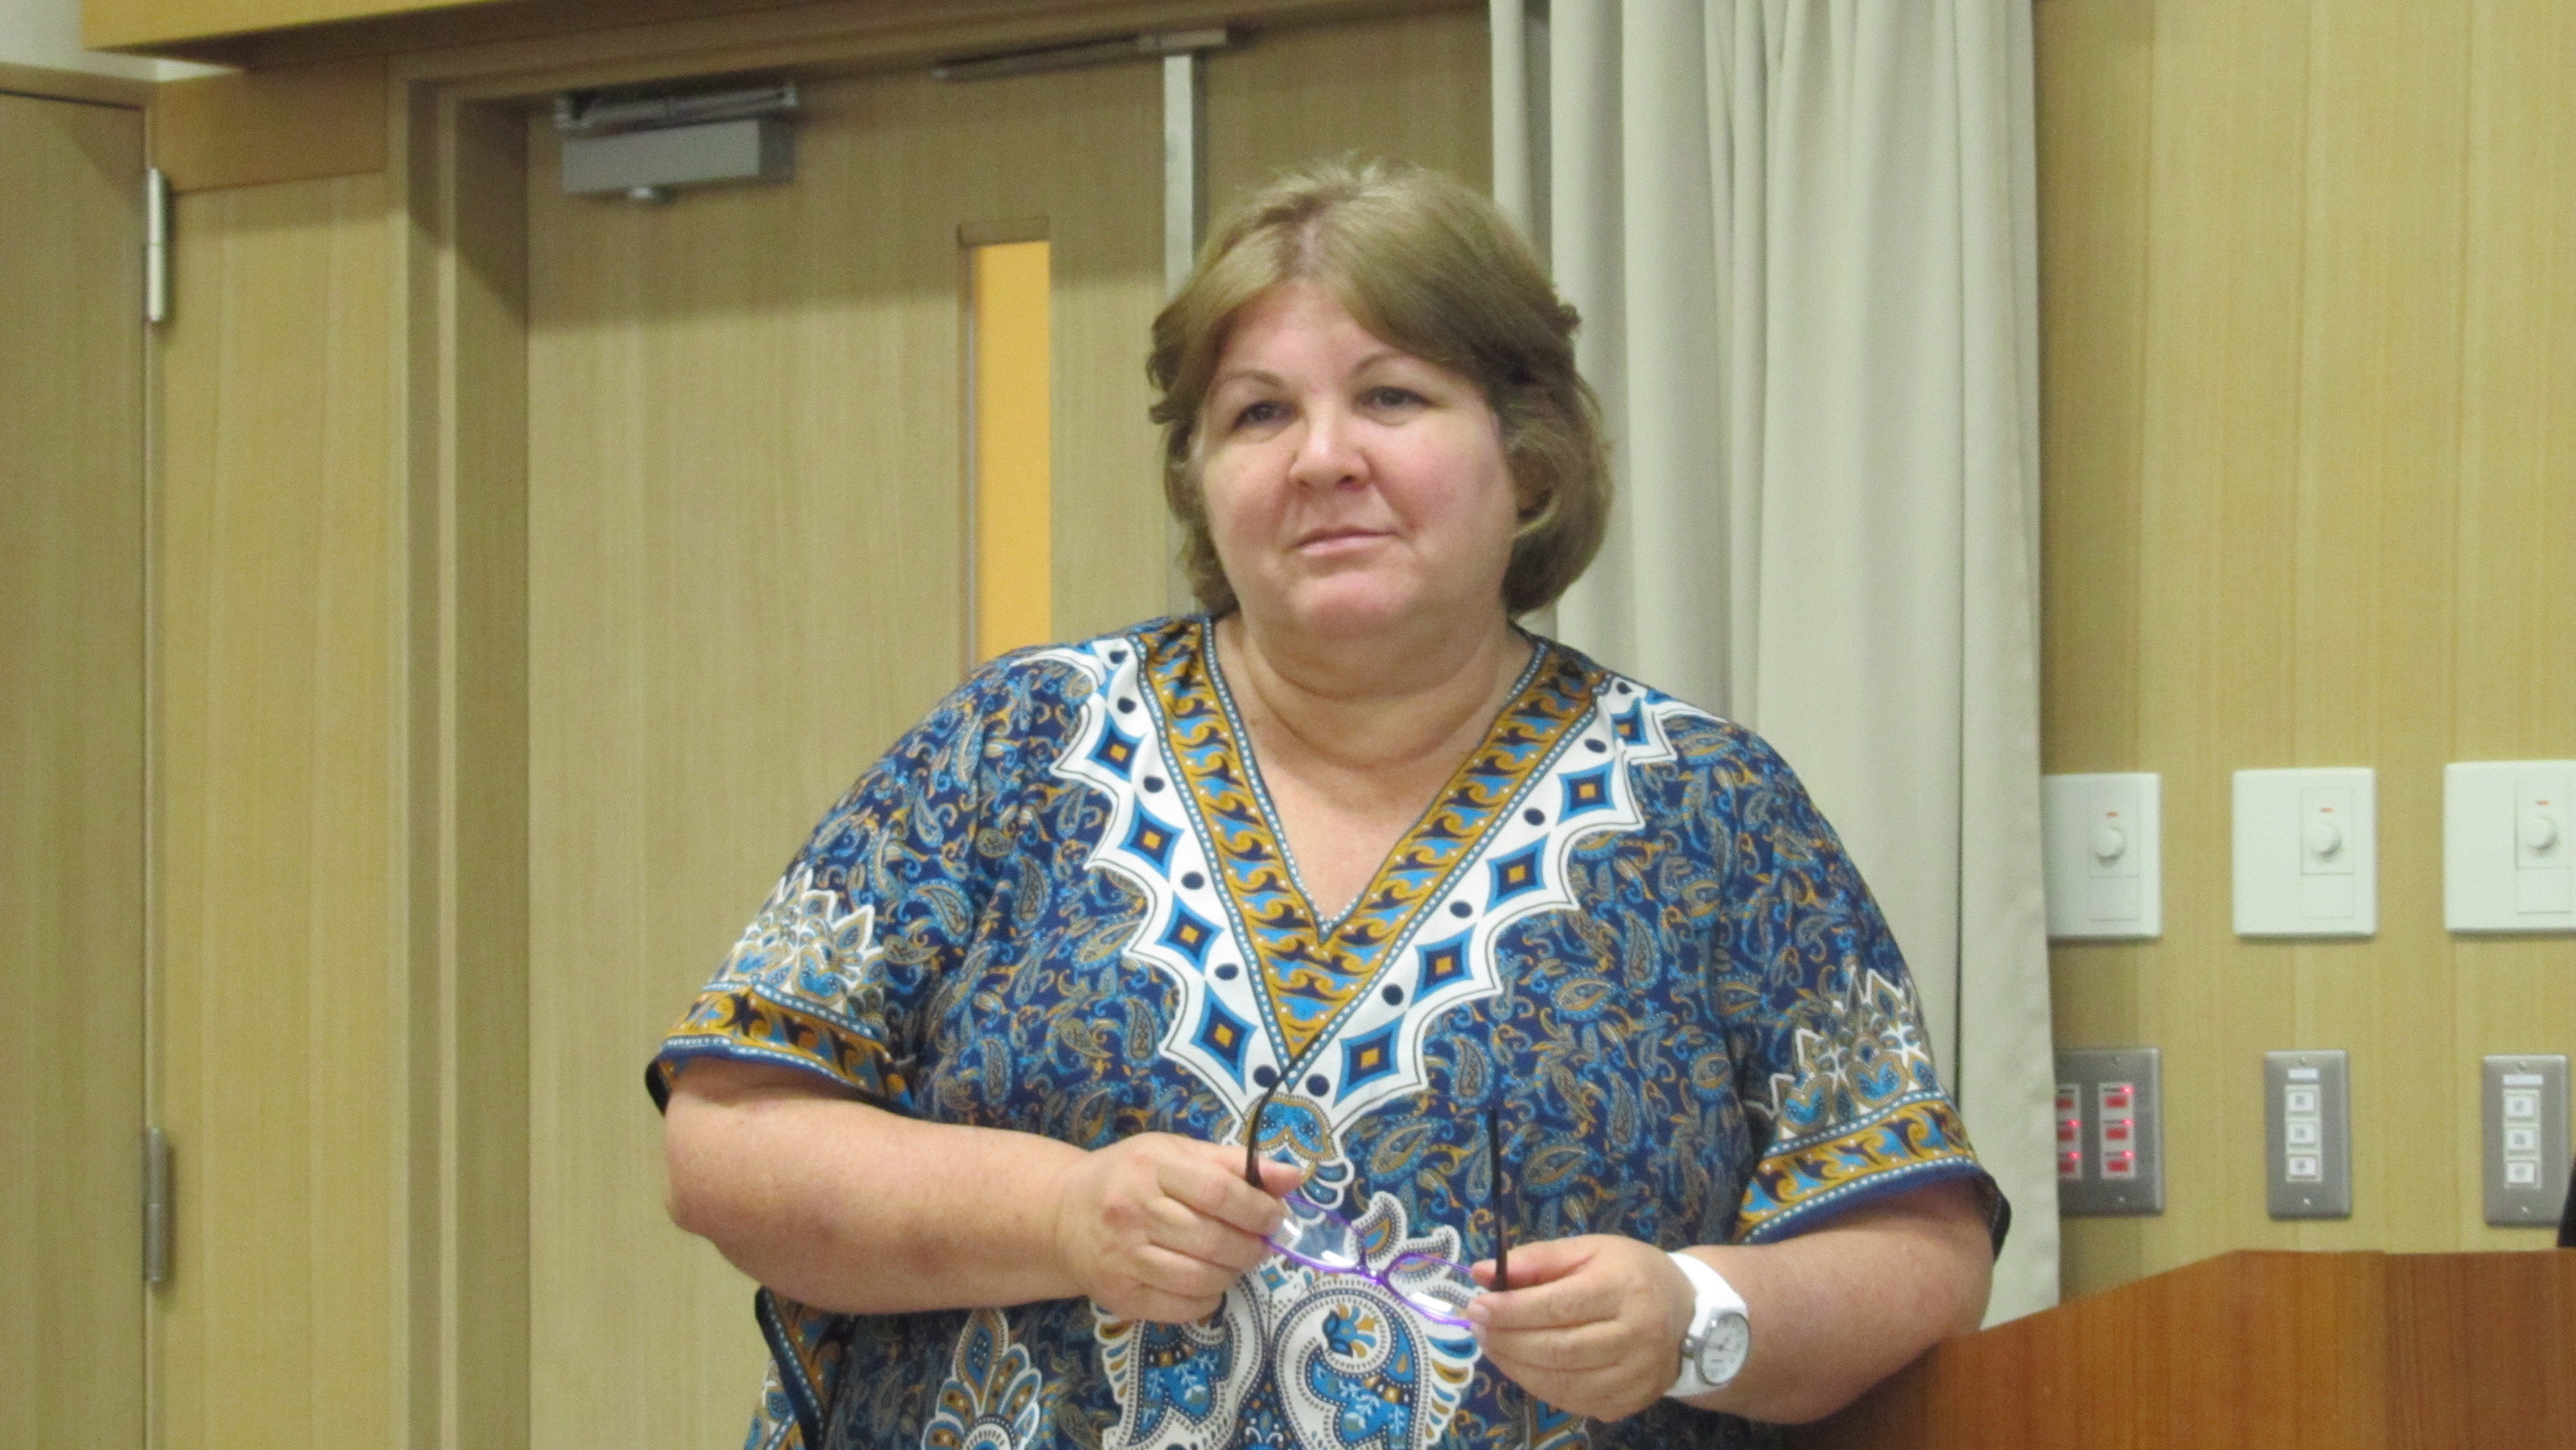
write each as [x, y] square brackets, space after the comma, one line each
[1374, 707]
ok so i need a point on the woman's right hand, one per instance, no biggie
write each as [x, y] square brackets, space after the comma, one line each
[1157, 1227]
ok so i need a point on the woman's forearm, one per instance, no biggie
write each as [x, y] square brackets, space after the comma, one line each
[1594, 1324]
[850, 1208]
[1838, 1310]
[847, 1207]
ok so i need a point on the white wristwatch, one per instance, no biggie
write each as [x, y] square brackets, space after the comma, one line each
[1720, 1335]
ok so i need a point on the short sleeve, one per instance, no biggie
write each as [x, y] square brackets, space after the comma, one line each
[879, 903]
[1832, 1060]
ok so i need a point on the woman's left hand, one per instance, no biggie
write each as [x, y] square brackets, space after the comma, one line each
[1592, 1325]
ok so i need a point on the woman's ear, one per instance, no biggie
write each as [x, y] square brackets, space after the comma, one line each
[1530, 502]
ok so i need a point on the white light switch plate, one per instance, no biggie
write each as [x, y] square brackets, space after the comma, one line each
[2307, 853]
[2101, 838]
[2507, 861]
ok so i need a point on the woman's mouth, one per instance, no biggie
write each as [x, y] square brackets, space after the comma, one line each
[1327, 540]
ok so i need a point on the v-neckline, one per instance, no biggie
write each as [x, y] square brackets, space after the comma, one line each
[1259, 782]
[1310, 971]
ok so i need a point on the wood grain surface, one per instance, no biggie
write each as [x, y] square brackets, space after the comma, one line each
[2308, 316]
[486, 36]
[253, 128]
[277, 1024]
[73, 872]
[1411, 87]
[45, 83]
[2306, 1351]
[466, 618]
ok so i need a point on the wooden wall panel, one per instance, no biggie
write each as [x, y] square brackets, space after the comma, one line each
[72, 868]
[1407, 86]
[2306, 328]
[277, 1032]
[2093, 108]
[2220, 415]
[2217, 410]
[1104, 241]
[2375, 572]
[467, 630]
[2513, 697]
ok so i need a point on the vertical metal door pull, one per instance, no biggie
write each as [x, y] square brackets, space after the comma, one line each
[156, 1207]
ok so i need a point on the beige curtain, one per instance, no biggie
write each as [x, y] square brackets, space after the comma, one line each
[1801, 234]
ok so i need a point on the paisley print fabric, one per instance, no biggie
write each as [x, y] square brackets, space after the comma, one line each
[1063, 905]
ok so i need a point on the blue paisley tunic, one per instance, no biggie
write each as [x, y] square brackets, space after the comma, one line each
[1063, 905]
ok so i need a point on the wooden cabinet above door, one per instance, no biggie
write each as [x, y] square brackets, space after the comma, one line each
[262, 33]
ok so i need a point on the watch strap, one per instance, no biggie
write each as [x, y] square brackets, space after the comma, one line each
[1712, 1297]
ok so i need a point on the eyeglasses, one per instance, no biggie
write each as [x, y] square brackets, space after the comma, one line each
[1328, 1243]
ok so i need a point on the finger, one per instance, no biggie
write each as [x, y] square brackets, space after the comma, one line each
[1157, 1306]
[1573, 1349]
[1605, 1391]
[1593, 1396]
[1542, 1262]
[1185, 1232]
[1280, 1179]
[1221, 1218]
[1557, 1304]
[1181, 1275]
[1595, 1277]
[1216, 1189]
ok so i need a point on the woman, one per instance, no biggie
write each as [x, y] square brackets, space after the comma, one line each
[1485, 955]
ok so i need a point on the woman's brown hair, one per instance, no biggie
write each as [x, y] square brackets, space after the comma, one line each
[1427, 265]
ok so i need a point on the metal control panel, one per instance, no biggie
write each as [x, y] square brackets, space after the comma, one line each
[2526, 1153]
[2110, 1132]
[2307, 1133]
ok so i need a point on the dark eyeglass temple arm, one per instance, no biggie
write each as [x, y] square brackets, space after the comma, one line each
[1502, 1235]
[1252, 1138]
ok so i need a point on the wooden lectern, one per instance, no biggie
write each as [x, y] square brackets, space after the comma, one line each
[2346, 1351]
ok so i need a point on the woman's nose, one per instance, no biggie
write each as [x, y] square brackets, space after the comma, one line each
[1328, 452]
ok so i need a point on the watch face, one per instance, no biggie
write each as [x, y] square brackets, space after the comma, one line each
[1721, 1354]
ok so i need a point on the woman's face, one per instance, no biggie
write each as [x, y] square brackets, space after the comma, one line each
[1351, 487]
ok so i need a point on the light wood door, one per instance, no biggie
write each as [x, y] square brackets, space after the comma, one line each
[747, 537]
[72, 873]
[278, 1027]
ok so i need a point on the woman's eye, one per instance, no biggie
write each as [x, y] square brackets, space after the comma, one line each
[1390, 396]
[1254, 415]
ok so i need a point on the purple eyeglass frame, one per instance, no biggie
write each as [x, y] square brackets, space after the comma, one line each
[1502, 1240]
